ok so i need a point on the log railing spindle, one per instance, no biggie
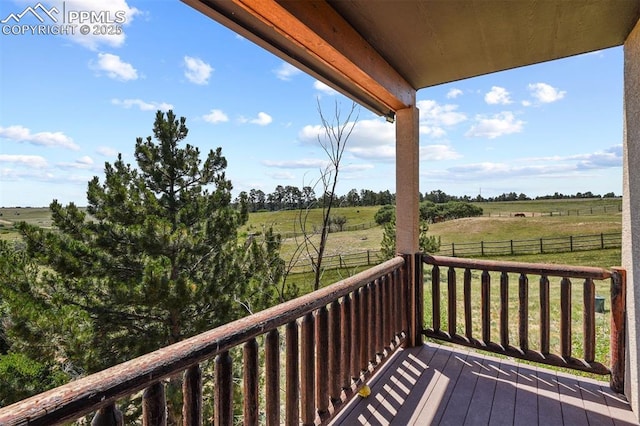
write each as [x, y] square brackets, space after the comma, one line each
[292, 410]
[565, 318]
[223, 390]
[307, 362]
[589, 320]
[504, 309]
[192, 396]
[322, 362]
[545, 326]
[523, 312]
[154, 405]
[250, 382]
[335, 375]
[435, 297]
[468, 327]
[451, 305]
[485, 305]
[272, 377]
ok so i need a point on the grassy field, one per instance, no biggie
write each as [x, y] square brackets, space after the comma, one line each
[497, 224]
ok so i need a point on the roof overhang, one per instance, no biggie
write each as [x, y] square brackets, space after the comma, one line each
[379, 53]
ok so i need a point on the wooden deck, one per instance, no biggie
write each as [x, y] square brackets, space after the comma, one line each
[443, 385]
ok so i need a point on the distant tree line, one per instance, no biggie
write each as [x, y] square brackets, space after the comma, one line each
[292, 197]
[437, 196]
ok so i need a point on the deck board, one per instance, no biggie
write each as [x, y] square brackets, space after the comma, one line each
[445, 385]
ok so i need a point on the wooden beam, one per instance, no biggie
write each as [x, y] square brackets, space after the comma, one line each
[314, 37]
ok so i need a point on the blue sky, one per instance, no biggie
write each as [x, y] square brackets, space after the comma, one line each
[70, 103]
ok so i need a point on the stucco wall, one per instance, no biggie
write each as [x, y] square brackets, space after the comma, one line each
[631, 212]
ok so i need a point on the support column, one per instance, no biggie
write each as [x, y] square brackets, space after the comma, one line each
[631, 213]
[407, 180]
[407, 216]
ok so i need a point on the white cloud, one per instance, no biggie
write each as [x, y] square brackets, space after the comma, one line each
[496, 125]
[106, 151]
[434, 132]
[303, 163]
[321, 87]
[438, 153]
[497, 95]
[611, 157]
[370, 139]
[545, 93]
[282, 176]
[554, 167]
[114, 67]
[52, 139]
[454, 93]
[215, 116]
[286, 71]
[82, 163]
[142, 105]
[262, 119]
[197, 71]
[34, 161]
[434, 118]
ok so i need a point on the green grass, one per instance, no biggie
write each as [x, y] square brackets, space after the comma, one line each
[288, 221]
[496, 225]
[570, 206]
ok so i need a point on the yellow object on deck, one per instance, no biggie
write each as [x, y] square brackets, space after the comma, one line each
[365, 391]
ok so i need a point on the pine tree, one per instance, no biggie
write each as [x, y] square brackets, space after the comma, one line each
[153, 259]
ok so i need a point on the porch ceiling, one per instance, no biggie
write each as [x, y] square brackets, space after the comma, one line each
[379, 52]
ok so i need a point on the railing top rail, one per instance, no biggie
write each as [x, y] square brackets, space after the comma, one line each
[83, 396]
[545, 269]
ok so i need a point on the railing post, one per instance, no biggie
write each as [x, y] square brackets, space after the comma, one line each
[108, 416]
[272, 377]
[307, 363]
[589, 320]
[292, 403]
[250, 383]
[618, 328]
[485, 306]
[192, 397]
[154, 405]
[416, 296]
[565, 318]
[223, 390]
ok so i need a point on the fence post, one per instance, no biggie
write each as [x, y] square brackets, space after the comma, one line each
[618, 328]
[453, 249]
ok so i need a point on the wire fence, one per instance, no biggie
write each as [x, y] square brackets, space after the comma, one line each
[340, 261]
[605, 209]
[479, 248]
[333, 228]
[533, 246]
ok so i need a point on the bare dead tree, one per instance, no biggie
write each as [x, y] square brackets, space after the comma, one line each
[333, 141]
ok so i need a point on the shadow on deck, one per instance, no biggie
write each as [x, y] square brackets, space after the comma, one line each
[444, 385]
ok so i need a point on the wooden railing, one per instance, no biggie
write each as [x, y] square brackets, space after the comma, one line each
[334, 339]
[473, 326]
